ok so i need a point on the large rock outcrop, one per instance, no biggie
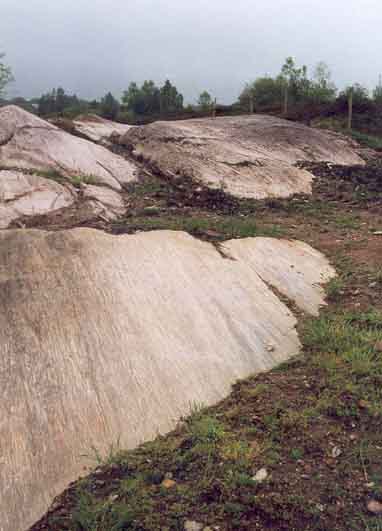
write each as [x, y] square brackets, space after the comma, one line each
[98, 129]
[24, 194]
[249, 156]
[106, 338]
[28, 142]
[35, 154]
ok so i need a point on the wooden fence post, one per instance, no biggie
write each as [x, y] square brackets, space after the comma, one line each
[214, 109]
[350, 109]
[251, 105]
[286, 97]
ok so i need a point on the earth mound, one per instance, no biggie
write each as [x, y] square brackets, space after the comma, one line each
[248, 156]
[111, 338]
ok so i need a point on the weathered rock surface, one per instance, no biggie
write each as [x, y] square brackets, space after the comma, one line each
[110, 199]
[28, 195]
[250, 156]
[105, 337]
[98, 129]
[27, 142]
[34, 146]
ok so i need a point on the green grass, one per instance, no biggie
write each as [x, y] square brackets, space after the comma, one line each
[75, 180]
[334, 288]
[222, 227]
[371, 141]
[214, 453]
[347, 222]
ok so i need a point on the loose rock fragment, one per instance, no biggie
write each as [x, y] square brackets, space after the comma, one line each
[375, 507]
[261, 475]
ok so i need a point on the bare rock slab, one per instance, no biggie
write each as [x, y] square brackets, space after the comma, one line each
[249, 156]
[28, 142]
[106, 338]
[28, 195]
[98, 129]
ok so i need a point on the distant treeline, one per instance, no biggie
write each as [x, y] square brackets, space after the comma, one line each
[292, 93]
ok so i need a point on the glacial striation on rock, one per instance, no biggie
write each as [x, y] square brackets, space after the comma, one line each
[249, 156]
[106, 338]
[43, 162]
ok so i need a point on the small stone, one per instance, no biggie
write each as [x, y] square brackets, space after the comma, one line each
[374, 507]
[320, 507]
[271, 348]
[378, 346]
[113, 497]
[378, 233]
[189, 525]
[168, 483]
[261, 475]
[363, 404]
[336, 452]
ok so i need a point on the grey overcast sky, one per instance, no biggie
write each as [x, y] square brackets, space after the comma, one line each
[93, 46]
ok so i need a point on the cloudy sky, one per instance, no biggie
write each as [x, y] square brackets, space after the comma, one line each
[92, 46]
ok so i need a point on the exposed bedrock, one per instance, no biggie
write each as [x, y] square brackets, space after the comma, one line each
[43, 162]
[249, 156]
[113, 337]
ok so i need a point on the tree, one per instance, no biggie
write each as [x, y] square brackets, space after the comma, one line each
[264, 92]
[58, 102]
[110, 107]
[150, 100]
[377, 93]
[205, 101]
[170, 99]
[144, 100]
[323, 89]
[5, 75]
[360, 95]
[295, 81]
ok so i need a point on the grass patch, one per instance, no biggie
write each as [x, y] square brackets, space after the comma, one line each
[218, 228]
[370, 141]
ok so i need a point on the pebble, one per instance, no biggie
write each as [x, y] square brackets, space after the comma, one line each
[378, 233]
[378, 346]
[336, 452]
[374, 507]
[189, 525]
[261, 475]
[168, 483]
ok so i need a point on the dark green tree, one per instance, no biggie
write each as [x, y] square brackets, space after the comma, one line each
[110, 107]
[360, 95]
[377, 93]
[170, 99]
[205, 101]
[144, 100]
[264, 92]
